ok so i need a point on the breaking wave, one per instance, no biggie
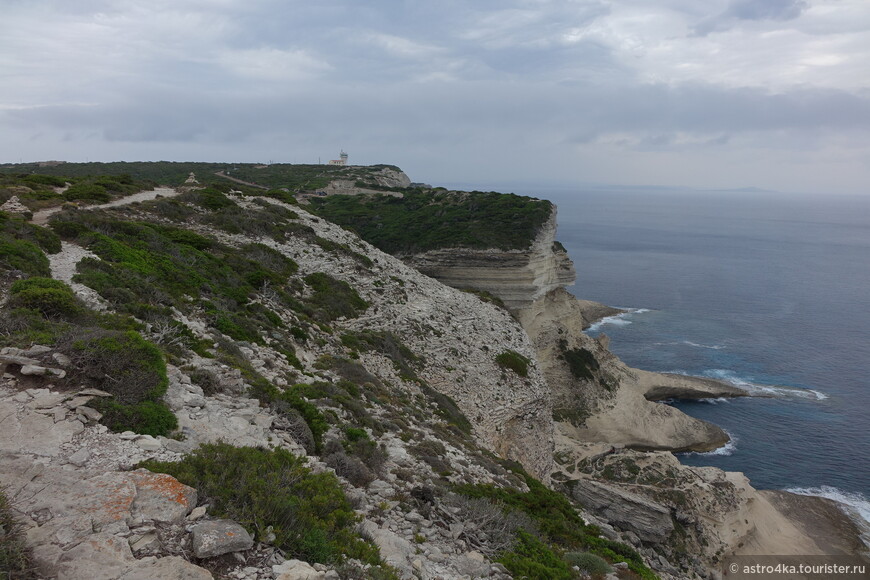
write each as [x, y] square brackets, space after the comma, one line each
[731, 377]
[621, 319]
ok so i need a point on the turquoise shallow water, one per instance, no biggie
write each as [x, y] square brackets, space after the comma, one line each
[767, 291]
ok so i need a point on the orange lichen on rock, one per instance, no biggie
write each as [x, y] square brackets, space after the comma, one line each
[164, 485]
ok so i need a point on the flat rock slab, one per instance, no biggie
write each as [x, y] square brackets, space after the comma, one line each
[100, 557]
[32, 432]
[217, 537]
[169, 568]
[161, 497]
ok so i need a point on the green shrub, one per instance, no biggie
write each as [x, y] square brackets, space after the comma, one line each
[354, 434]
[581, 362]
[284, 402]
[13, 227]
[552, 511]
[588, 563]
[24, 256]
[210, 198]
[514, 361]
[308, 513]
[533, 559]
[50, 180]
[129, 367]
[447, 408]
[51, 297]
[146, 417]
[332, 298]
[87, 192]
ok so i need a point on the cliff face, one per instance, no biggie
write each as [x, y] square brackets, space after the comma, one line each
[518, 277]
[458, 337]
[591, 389]
[385, 177]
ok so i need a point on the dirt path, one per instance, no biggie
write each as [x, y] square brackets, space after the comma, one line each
[225, 176]
[40, 218]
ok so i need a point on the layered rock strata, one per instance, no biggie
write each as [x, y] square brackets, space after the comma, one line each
[518, 277]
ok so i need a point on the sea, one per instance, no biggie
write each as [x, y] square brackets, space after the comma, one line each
[767, 291]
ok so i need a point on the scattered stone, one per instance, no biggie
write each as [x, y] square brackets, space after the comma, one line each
[80, 457]
[94, 393]
[296, 570]
[197, 513]
[89, 413]
[144, 542]
[33, 370]
[149, 443]
[217, 537]
[37, 349]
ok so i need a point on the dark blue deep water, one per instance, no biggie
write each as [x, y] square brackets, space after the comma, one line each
[768, 291]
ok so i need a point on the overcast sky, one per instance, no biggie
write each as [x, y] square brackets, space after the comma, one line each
[712, 94]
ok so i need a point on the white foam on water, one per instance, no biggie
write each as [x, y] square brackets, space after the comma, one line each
[620, 319]
[727, 449]
[853, 503]
[730, 376]
[714, 401]
[709, 346]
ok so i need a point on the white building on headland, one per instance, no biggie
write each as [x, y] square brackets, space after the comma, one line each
[341, 161]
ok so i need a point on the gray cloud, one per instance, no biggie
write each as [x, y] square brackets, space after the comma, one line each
[775, 10]
[450, 92]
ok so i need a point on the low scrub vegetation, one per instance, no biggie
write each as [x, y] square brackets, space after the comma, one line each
[23, 246]
[561, 532]
[129, 367]
[514, 361]
[581, 362]
[420, 221]
[51, 298]
[387, 344]
[273, 490]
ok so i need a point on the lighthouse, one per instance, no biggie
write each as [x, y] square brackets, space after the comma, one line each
[342, 160]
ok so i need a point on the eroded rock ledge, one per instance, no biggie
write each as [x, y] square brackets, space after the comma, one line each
[518, 277]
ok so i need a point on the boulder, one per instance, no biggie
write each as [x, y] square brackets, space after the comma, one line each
[296, 570]
[80, 457]
[217, 537]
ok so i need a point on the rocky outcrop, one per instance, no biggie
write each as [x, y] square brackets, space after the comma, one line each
[385, 177]
[517, 277]
[597, 398]
[695, 516]
[648, 520]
